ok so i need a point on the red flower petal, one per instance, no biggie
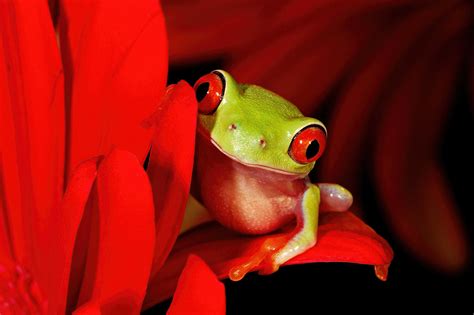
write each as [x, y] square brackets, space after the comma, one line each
[198, 290]
[415, 191]
[31, 130]
[6, 244]
[342, 237]
[120, 248]
[115, 59]
[66, 221]
[171, 163]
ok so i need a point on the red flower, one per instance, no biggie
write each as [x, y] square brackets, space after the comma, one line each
[383, 72]
[59, 107]
[102, 244]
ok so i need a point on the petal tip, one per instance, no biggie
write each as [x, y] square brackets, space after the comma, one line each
[381, 271]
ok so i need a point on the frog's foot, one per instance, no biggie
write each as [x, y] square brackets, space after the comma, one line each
[262, 259]
[277, 250]
[300, 243]
[274, 252]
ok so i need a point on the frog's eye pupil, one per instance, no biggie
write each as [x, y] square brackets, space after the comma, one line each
[308, 144]
[201, 91]
[209, 90]
[312, 149]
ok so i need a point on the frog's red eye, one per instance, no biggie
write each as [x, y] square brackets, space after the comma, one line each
[308, 144]
[209, 91]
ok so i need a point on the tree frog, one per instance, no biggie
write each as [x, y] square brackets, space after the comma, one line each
[254, 151]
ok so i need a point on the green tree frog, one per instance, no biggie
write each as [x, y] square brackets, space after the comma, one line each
[254, 151]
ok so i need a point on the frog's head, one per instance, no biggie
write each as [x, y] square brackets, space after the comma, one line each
[257, 127]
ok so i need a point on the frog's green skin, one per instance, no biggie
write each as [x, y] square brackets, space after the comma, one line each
[244, 175]
[258, 115]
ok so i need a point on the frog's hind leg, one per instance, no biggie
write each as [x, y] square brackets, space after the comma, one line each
[195, 214]
[334, 198]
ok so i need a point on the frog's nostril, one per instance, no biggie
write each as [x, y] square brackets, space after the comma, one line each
[232, 127]
[262, 143]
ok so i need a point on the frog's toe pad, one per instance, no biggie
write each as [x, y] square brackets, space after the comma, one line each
[261, 259]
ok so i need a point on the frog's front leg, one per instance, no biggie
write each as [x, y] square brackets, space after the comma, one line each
[276, 250]
[306, 231]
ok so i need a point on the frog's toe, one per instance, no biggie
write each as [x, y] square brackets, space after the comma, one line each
[268, 266]
[262, 259]
[237, 273]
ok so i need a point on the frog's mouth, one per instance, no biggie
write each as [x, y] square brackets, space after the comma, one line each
[206, 134]
[292, 175]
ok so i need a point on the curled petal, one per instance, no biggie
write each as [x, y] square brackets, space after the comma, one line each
[171, 164]
[67, 219]
[121, 243]
[342, 237]
[198, 290]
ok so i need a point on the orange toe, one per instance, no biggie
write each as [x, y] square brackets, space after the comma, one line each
[261, 259]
